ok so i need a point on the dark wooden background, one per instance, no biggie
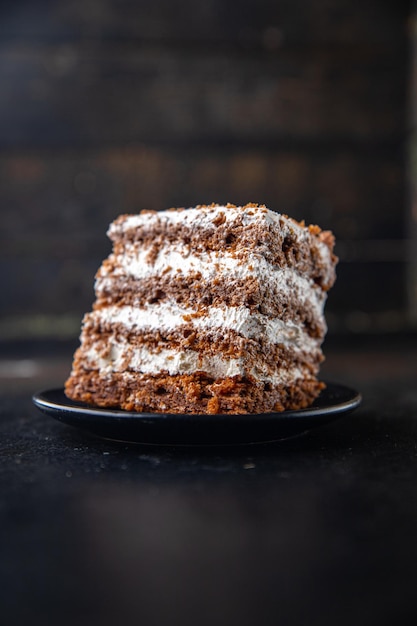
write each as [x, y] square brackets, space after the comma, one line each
[111, 106]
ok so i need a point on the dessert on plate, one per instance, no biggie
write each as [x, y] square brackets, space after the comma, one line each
[212, 309]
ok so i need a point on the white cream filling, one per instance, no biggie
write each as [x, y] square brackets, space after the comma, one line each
[121, 358]
[168, 316]
[174, 261]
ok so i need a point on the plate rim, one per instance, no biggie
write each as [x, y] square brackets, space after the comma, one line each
[78, 409]
[185, 430]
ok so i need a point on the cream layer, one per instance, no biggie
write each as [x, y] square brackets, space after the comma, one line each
[206, 218]
[175, 260]
[121, 357]
[167, 316]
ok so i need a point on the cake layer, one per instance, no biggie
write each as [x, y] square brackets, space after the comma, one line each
[135, 261]
[175, 262]
[283, 294]
[168, 317]
[279, 239]
[108, 349]
[189, 393]
[121, 357]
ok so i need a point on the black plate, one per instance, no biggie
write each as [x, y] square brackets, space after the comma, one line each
[190, 429]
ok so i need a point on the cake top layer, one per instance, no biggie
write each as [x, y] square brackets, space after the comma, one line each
[237, 231]
[214, 215]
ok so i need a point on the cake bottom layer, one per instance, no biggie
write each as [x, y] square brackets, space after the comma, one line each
[188, 393]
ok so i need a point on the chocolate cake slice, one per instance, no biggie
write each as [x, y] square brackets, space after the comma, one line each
[213, 309]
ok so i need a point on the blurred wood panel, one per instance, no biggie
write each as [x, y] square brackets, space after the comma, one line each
[412, 176]
[87, 95]
[247, 23]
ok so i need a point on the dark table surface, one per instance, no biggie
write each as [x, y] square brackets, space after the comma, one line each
[320, 529]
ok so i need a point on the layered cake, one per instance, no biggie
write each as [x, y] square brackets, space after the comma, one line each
[213, 309]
